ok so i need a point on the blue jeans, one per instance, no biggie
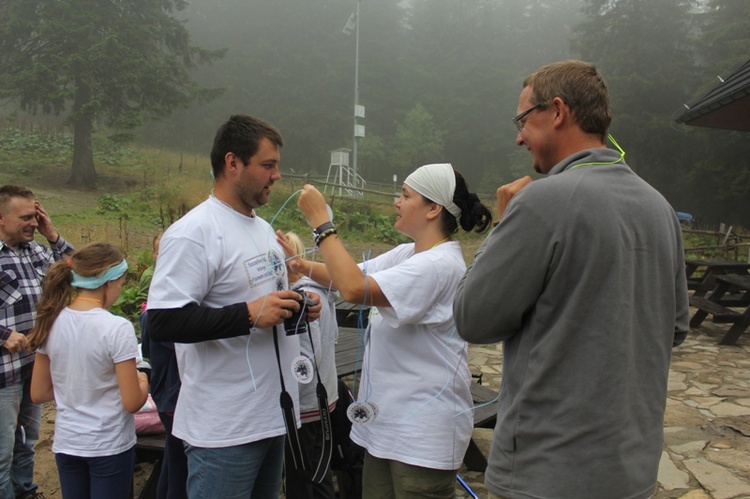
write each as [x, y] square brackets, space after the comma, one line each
[19, 431]
[237, 472]
[105, 477]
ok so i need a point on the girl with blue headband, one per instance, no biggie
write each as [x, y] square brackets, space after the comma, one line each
[86, 362]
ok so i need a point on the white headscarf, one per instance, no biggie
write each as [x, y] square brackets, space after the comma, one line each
[436, 182]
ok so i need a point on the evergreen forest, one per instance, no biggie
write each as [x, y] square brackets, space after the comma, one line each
[439, 81]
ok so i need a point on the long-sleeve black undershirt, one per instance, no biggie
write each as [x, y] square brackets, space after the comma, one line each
[194, 323]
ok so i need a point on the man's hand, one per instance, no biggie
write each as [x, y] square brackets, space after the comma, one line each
[15, 342]
[506, 192]
[45, 227]
[273, 308]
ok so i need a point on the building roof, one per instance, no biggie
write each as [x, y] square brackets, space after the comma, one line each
[725, 106]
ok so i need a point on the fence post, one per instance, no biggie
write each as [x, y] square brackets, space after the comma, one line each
[725, 243]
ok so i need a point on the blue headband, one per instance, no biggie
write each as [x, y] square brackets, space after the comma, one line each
[97, 281]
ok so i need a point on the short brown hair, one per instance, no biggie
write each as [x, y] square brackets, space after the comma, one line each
[241, 135]
[10, 191]
[580, 85]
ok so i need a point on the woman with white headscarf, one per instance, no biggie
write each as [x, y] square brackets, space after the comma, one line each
[413, 410]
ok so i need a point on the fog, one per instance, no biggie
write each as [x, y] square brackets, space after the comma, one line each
[456, 66]
[439, 81]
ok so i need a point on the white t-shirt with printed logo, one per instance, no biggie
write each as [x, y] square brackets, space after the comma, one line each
[215, 256]
[415, 365]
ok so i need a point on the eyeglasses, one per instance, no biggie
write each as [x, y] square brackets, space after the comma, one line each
[517, 120]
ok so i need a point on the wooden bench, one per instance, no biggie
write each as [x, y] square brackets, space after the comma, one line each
[485, 416]
[720, 313]
[349, 314]
[717, 305]
[349, 350]
[701, 274]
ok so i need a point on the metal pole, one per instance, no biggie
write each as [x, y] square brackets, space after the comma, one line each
[356, 96]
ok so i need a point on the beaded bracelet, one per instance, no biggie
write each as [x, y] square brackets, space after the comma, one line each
[324, 228]
[324, 234]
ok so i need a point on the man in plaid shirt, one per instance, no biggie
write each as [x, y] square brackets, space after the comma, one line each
[23, 264]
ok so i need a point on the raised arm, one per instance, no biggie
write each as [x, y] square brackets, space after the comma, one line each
[353, 285]
[506, 277]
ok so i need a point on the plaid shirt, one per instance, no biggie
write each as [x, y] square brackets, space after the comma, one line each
[21, 277]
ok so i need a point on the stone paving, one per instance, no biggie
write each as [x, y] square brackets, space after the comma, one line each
[707, 424]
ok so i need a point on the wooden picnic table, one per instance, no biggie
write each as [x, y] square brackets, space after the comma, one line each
[721, 308]
[350, 314]
[350, 347]
[485, 416]
[701, 274]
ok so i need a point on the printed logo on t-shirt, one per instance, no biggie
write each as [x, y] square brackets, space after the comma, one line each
[264, 268]
[279, 268]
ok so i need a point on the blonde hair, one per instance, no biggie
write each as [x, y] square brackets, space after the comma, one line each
[57, 291]
[296, 243]
[157, 241]
[299, 250]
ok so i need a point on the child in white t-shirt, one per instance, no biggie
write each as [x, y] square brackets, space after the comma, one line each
[319, 346]
[86, 362]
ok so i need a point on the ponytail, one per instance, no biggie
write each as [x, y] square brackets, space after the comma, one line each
[473, 212]
[56, 295]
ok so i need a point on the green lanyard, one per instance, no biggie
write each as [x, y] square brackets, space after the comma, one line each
[618, 160]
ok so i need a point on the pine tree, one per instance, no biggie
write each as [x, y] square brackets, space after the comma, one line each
[115, 63]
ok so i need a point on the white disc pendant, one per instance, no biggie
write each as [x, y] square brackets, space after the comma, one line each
[302, 369]
[361, 413]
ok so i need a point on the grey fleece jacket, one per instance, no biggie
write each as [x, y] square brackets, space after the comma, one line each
[584, 282]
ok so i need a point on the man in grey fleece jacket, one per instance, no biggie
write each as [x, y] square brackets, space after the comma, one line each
[583, 280]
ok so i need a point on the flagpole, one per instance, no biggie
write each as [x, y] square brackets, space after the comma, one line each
[356, 95]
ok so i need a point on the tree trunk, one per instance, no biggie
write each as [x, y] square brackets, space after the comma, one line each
[82, 172]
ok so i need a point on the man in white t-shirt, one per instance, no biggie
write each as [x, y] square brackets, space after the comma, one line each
[219, 289]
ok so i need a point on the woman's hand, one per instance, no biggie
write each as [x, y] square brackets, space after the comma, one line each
[312, 204]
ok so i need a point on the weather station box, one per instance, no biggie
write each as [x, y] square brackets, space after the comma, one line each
[340, 157]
